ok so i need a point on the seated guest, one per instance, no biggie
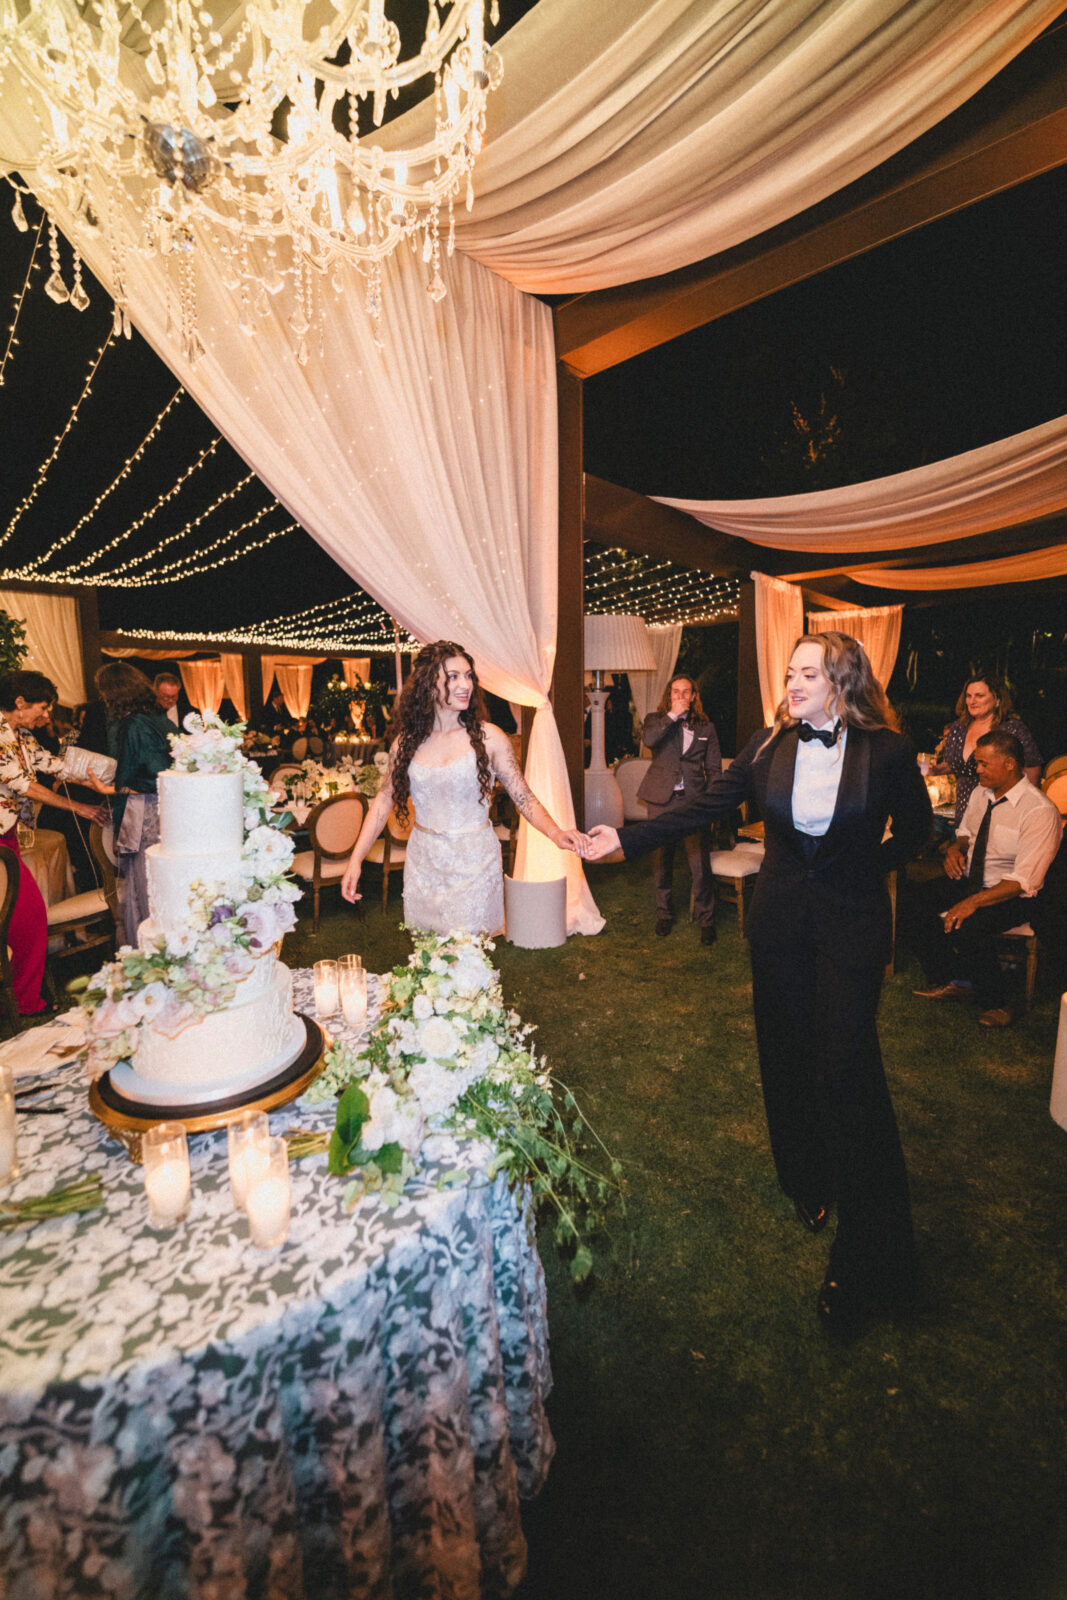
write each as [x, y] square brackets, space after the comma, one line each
[985, 704]
[995, 869]
[276, 718]
[171, 698]
[141, 747]
[685, 757]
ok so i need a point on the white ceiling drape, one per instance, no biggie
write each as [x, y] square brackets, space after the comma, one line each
[998, 485]
[1029, 566]
[779, 623]
[876, 627]
[634, 138]
[53, 637]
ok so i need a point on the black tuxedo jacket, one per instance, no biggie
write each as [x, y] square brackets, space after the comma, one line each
[834, 897]
[694, 768]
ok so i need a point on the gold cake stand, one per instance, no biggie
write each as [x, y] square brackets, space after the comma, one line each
[127, 1120]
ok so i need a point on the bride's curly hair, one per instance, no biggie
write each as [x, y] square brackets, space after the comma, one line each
[413, 719]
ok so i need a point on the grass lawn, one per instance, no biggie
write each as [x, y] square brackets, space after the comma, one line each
[711, 1441]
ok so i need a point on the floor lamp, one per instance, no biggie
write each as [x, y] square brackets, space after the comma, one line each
[612, 644]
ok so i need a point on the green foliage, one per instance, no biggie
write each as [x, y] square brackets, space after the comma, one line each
[13, 646]
[353, 1109]
[330, 707]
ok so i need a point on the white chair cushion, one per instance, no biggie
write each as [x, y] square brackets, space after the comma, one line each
[376, 853]
[1023, 931]
[304, 867]
[79, 908]
[734, 864]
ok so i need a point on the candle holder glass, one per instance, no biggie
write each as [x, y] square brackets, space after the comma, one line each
[247, 1138]
[165, 1152]
[354, 997]
[327, 992]
[268, 1199]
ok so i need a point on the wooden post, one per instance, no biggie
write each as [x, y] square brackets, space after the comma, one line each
[568, 695]
[749, 700]
[89, 627]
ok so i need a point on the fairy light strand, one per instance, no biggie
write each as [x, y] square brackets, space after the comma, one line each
[659, 591]
[193, 567]
[124, 473]
[190, 564]
[190, 527]
[45, 468]
[251, 636]
[12, 341]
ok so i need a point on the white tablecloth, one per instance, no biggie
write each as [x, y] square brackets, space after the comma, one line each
[355, 1413]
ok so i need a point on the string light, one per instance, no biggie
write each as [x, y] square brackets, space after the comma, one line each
[172, 538]
[127, 467]
[660, 591]
[44, 469]
[19, 298]
[349, 646]
[192, 566]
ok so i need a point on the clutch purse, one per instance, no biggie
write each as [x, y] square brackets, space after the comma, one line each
[78, 763]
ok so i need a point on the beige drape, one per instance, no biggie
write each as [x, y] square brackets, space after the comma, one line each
[356, 670]
[295, 683]
[779, 622]
[876, 627]
[54, 639]
[647, 687]
[203, 683]
[233, 681]
[123, 653]
[1030, 566]
[634, 137]
[1010, 481]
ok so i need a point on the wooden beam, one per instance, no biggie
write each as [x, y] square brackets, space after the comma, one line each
[617, 516]
[568, 693]
[1014, 129]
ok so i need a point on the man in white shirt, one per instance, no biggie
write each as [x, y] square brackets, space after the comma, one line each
[1006, 842]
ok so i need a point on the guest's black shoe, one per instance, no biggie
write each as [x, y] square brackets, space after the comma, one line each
[708, 934]
[663, 926]
[841, 1310]
[814, 1218]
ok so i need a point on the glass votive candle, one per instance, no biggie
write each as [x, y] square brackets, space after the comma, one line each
[349, 963]
[165, 1151]
[9, 1164]
[247, 1138]
[354, 997]
[327, 995]
[268, 1198]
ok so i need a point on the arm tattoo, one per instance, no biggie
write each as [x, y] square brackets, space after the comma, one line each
[511, 777]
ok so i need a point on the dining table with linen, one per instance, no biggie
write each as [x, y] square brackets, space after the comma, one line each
[356, 1412]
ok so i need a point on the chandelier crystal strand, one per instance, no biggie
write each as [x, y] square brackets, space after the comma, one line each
[260, 136]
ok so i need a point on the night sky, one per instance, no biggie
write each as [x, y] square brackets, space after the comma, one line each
[938, 342]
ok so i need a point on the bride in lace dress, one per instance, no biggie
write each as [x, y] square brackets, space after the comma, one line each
[444, 760]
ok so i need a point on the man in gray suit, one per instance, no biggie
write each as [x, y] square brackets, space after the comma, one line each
[685, 757]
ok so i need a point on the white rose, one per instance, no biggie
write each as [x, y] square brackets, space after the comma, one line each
[436, 1088]
[437, 1038]
[422, 1007]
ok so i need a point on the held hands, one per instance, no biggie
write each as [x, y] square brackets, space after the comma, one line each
[350, 882]
[571, 839]
[601, 841]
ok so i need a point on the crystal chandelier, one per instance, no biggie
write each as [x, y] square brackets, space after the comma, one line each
[258, 125]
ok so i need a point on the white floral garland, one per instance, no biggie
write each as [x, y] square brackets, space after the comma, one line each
[175, 980]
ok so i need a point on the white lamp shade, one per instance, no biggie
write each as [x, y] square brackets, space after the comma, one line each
[617, 644]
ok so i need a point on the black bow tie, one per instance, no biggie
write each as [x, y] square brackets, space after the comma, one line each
[826, 736]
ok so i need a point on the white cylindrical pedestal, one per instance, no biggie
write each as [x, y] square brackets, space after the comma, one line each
[1058, 1103]
[535, 914]
[603, 797]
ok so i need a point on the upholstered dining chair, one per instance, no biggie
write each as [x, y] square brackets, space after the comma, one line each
[85, 921]
[282, 770]
[733, 869]
[390, 848]
[629, 774]
[333, 828]
[10, 872]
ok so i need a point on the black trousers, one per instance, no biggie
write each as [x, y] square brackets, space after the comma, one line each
[970, 951]
[697, 847]
[831, 1122]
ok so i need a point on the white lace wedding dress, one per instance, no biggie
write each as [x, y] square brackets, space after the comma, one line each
[453, 879]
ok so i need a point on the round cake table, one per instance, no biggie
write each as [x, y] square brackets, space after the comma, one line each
[356, 1413]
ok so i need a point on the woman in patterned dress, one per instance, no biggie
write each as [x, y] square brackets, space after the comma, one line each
[984, 704]
[25, 701]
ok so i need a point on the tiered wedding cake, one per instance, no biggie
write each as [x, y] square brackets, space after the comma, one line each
[203, 1010]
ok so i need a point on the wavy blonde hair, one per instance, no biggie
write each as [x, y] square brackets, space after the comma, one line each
[857, 696]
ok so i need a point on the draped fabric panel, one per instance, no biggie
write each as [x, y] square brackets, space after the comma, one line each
[295, 684]
[1031, 566]
[779, 623]
[203, 683]
[269, 664]
[1011, 481]
[233, 681]
[633, 138]
[647, 687]
[54, 639]
[876, 627]
[356, 670]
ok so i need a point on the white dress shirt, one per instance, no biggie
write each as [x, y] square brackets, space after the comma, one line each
[687, 739]
[1024, 835]
[816, 780]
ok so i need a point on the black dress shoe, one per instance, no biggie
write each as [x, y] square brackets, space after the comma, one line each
[814, 1218]
[663, 926]
[841, 1310]
[708, 934]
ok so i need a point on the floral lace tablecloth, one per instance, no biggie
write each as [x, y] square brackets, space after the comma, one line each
[355, 1413]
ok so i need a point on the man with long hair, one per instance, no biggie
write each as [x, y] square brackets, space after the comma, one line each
[827, 778]
[685, 756]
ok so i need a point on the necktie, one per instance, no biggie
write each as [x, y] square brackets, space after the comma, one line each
[826, 736]
[976, 870]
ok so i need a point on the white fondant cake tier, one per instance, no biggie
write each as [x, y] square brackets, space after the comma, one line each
[201, 813]
[234, 1045]
[170, 881]
[155, 1092]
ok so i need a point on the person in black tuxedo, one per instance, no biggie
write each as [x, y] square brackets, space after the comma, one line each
[828, 777]
[685, 755]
